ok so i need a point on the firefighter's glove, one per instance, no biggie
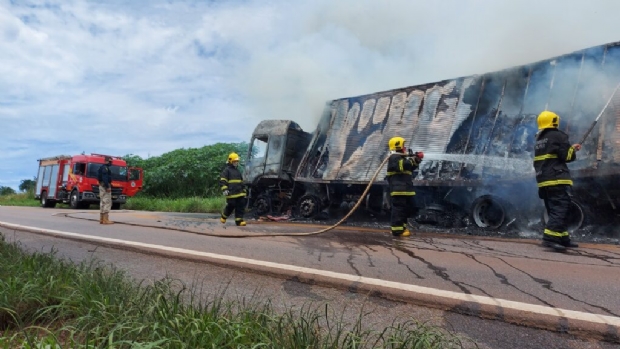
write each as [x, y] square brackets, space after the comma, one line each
[225, 192]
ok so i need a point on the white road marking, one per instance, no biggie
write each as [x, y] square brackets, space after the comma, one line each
[519, 306]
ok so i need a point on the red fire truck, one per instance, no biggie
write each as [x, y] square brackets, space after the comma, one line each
[73, 180]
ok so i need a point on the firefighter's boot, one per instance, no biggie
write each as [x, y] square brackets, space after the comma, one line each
[570, 244]
[406, 232]
[106, 220]
[554, 245]
[240, 222]
[101, 218]
[222, 219]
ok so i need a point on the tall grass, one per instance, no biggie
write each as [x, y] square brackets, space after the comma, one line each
[141, 203]
[19, 199]
[192, 205]
[46, 302]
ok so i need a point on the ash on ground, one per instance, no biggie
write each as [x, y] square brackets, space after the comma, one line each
[605, 234]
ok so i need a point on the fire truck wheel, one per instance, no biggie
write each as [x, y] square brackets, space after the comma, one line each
[73, 200]
[45, 202]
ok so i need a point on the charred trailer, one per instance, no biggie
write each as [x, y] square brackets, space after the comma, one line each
[478, 134]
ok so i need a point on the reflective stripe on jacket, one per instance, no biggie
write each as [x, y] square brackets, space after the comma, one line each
[400, 174]
[231, 180]
[551, 154]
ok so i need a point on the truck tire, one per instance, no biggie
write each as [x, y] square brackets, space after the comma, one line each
[577, 216]
[262, 205]
[489, 212]
[74, 202]
[45, 202]
[309, 206]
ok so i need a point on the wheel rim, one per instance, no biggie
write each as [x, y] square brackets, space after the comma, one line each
[488, 213]
[261, 205]
[308, 207]
[576, 217]
[74, 198]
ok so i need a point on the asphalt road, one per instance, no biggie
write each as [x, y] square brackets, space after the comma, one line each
[513, 281]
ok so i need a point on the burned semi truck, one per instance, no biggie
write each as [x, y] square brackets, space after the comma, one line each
[477, 133]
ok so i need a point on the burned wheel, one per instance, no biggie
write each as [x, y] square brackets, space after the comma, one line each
[576, 216]
[488, 212]
[262, 205]
[309, 206]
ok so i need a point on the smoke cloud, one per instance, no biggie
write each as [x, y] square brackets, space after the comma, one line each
[332, 50]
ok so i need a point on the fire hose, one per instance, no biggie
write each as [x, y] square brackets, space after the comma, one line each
[583, 139]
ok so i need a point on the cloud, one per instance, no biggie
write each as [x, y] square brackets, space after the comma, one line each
[150, 77]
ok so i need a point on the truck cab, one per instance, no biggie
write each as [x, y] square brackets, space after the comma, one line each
[275, 152]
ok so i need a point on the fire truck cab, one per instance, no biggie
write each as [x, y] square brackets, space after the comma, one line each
[73, 180]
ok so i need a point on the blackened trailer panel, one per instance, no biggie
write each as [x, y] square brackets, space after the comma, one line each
[473, 129]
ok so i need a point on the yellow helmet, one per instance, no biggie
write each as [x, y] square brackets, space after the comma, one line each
[548, 119]
[233, 157]
[396, 143]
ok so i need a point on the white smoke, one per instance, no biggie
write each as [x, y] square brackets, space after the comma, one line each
[332, 50]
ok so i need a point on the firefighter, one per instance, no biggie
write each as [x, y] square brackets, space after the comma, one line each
[231, 183]
[399, 176]
[553, 151]
[104, 176]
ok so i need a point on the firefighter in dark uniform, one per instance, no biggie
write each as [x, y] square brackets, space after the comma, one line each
[104, 176]
[231, 183]
[399, 176]
[553, 151]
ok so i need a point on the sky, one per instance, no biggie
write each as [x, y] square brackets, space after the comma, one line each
[148, 77]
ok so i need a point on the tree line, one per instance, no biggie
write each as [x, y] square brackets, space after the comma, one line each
[186, 172]
[176, 174]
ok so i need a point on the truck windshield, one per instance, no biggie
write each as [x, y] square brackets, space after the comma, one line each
[119, 173]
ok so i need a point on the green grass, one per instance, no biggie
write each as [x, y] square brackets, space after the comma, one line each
[46, 302]
[19, 199]
[190, 205]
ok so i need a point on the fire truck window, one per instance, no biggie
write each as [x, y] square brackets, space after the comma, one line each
[259, 148]
[134, 175]
[119, 173]
[79, 168]
[47, 175]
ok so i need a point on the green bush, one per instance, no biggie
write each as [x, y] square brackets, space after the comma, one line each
[181, 173]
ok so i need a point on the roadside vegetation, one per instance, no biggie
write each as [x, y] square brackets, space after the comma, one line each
[47, 302]
[19, 199]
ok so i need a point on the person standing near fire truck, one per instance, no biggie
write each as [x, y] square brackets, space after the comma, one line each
[553, 151]
[104, 176]
[399, 176]
[231, 184]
